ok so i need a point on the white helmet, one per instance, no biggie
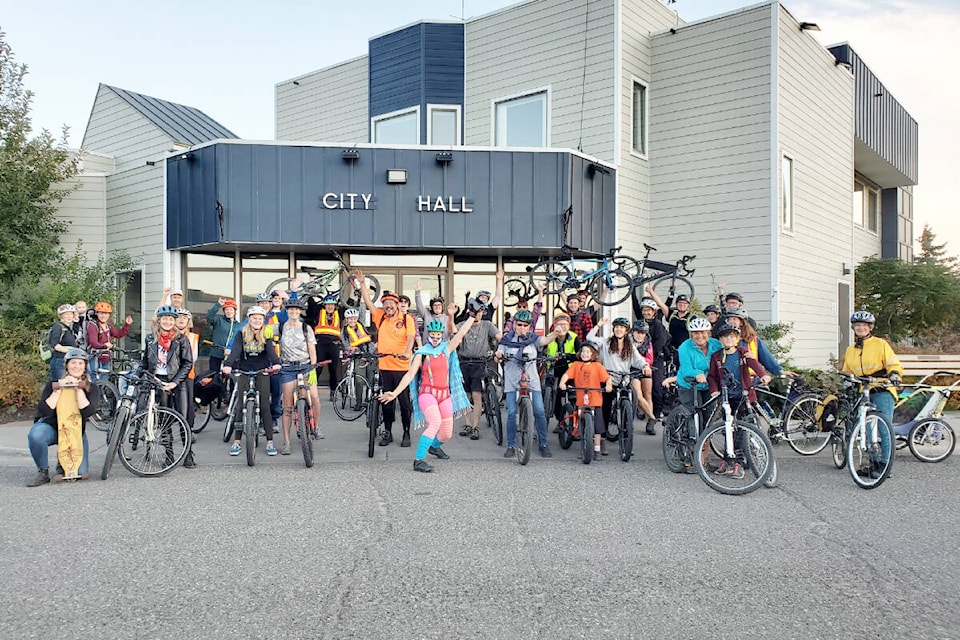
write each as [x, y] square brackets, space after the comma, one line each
[352, 312]
[648, 302]
[256, 309]
[699, 324]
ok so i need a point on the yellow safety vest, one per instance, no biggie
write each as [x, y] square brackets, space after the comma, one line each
[357, 335]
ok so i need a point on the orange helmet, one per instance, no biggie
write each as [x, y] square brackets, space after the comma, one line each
[230, 303]
[103, 306]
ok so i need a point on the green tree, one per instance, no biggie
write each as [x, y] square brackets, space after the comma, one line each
[30, 170]
[933, 253]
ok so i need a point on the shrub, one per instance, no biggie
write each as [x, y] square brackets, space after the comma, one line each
[21, 380]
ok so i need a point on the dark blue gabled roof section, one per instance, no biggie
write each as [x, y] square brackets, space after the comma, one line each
[180, 122]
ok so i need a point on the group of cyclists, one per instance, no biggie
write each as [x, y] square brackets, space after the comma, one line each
[435, 374]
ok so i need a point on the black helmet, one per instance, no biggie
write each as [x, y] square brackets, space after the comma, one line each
[726, 328]
[711, 308]
[641, 325]
[733, 296]
[436, 299]
[623, 322]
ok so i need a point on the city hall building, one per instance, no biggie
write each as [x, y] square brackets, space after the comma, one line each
[453, 148]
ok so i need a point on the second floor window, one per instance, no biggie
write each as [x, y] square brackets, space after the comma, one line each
[522, 121]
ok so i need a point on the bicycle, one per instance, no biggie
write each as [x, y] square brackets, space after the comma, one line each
[865, 433]
[608, 283]
[624, 406]
[743, 453]
[107, 392]
[375, 424]
[798, 422]
[525, 418]
[320, 283]
[491, 383]
[352, 395]
[219, 407]
[145, 440]
[251, 411]
[665, 276]
[579, 422]
[515, 291]
[682, 430]
[929, 437]
[303, 418]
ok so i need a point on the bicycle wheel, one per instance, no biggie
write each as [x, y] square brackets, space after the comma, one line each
[524, 424]
[741, 471]
[613, 429]
[221, 404]
[549, 391]
[865, 458]
[931, 440]
[250, 430]
[801, 427]
[154, 442]
[756, 458]
[675, 430]
[491, 406]
[838, 450]
[515, 290]
[373, 424]
[774, 477]
[629, 265]
[625, 432]
[109, 400]
[350, 292]
[681, 285]
[566, 427]
[612, 288]
[586, 437]
[350, 398]
[114, 436]
[554, 273]
[201, 417]
[303, 430]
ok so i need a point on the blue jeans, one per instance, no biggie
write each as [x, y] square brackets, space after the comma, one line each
[42, 436]
[539, 418]
[884, 402]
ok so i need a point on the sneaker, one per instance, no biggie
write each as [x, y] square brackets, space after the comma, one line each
[262, 432]
[651, 427]
[271, 450]
[603, 447]
[405, 441]
[422, 466]
[332, 395]
[510, 452]
[545, 452]
[475, 433]
[285, 449]
[386, 438]
[189, 462]
[737, 472]
[596, 455]
[437, 451]
[722, 469]
[43, 477]
[235, 449]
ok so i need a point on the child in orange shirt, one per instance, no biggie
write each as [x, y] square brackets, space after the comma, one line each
[588, 373]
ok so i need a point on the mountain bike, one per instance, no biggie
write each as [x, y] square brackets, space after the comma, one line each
[338, 280]
[607, 281]
[352, 395]
[516, 290]
[303, 418]
[525, 416]
[108, 394]
[681, 430]
[669, 280]
[798, 420]
[868, 438]
[375, 424]
[579, 421]
[491, 385]
[250, 415]
[621, 418]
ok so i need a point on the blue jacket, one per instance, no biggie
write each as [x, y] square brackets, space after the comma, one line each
[693, 362]
[223, 330]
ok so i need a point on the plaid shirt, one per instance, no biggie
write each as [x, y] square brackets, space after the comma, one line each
[581, 323]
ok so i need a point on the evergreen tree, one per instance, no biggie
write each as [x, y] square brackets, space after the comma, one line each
[933, 253]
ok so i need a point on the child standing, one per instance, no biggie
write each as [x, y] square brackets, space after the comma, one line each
[588, 373]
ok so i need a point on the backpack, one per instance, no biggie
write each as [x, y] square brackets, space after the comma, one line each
[43, 346]
[827, 413]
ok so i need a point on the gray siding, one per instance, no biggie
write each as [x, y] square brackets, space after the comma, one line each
[815, 131]
[710, 142]
[329, 105]
[541, 43]
[85, 207]
[117, 129]
[639, 19]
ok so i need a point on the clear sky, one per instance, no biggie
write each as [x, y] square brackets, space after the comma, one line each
[225, 58]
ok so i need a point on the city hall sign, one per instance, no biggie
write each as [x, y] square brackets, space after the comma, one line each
[366, 202]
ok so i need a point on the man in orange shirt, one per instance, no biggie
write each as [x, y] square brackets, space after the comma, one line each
[395, 335]
[588, 374]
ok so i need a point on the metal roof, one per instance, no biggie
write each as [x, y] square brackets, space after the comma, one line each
[180, 122]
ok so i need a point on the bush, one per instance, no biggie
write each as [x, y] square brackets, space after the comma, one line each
[21, 380]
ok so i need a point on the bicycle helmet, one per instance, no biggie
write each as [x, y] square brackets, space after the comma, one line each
[436, 326]
[733, 296]
[591, 344]
[522, 316]
[862, 316]
[103, 307]
[76, 354]
[230, 302]
[736, 313]
[327, 299]
[389, 296]
[699, 324]
[648, 302]
[184, 312]
[712, 308]
[483, 292]
[294, 302]
[435, 300]
[726, 328]
[682, 298]
[352, 312]
[263, 297]
[623, 322]
[167, 310]
[405, 299]
[573, 296]
[641, 325]
[66, 308]
[275, 293]
[255, 310]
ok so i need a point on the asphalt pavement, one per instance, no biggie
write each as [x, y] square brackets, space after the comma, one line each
[481, 548]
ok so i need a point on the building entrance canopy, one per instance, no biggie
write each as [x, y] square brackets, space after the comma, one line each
[226, 195]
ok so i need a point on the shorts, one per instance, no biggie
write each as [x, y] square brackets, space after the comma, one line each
[290, 375]
[473, 375]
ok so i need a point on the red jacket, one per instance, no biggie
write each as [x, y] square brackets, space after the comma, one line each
[98, 337]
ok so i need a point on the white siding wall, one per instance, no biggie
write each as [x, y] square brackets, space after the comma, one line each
[639, 19]
[540, 44]
[117, 129]
[85, 208]
[816, 129]
[329, 105]
[710, 142]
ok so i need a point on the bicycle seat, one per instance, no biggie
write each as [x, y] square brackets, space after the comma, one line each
[648, 247]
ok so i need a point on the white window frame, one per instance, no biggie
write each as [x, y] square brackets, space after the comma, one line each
[394, 114]
[645, 154]
[444, 107]
[865, 190]
[787, 219]
[547, 107]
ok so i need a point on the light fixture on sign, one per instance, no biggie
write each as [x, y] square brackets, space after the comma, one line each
[396, 176]
[444, 157]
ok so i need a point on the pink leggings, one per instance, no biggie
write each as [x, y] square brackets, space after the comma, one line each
[439, 416]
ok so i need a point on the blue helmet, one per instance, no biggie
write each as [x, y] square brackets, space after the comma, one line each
[167, 310]
[436, 326]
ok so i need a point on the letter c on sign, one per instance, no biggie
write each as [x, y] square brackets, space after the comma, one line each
[330, 205]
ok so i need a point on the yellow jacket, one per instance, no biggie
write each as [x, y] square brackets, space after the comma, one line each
[874, 358]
